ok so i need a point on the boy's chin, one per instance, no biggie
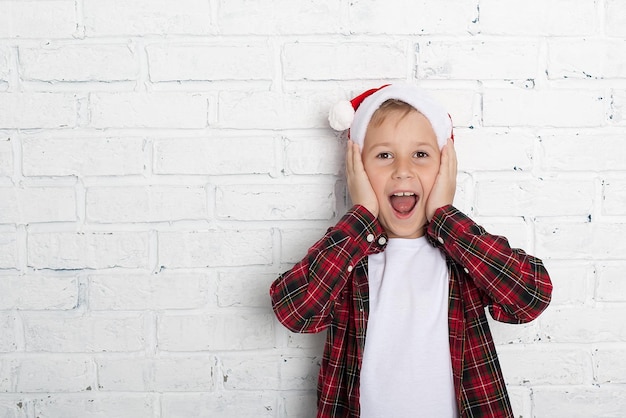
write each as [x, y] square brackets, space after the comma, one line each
[414, 229]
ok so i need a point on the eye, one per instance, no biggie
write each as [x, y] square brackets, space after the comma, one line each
[420, 154]
[384, 155]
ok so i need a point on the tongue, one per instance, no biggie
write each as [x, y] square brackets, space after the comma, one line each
[403, 204]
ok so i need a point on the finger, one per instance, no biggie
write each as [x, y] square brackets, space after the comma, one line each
[349, 157]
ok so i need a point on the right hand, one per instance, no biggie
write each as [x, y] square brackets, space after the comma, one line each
[359, 186]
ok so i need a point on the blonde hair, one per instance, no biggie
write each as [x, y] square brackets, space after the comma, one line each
[391, 106]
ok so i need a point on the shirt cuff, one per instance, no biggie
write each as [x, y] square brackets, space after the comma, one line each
[363, 227]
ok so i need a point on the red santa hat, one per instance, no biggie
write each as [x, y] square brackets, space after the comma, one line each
[356, 113]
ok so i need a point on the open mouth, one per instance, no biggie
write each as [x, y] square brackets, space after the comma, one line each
[403, 202]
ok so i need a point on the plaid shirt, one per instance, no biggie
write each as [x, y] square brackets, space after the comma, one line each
[328, 289]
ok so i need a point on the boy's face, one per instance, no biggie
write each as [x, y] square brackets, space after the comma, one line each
[401, 158]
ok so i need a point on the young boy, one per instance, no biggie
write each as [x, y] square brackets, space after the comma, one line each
[402, 281]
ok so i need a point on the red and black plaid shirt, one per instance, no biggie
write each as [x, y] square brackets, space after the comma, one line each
[328, 289]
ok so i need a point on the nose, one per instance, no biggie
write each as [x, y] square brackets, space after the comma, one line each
[402, 169]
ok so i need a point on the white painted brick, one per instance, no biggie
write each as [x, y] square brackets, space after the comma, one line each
[43, 156]
[308, 341]
[37, 292]
[489, 150]
[528, 333]
[521, 401]
[412, 17]
[275, 202]
[572, 281]
[611, 287]
[614, 197]
[216, 332]
[543, 364]
[37, 19]
[176, 374]
[323, 154]
[583, 151]
[146, 204]
[618, 107]
[67, 250]
[581, 240]
[148, 110]
[4, 63]
[6, 156]
[210, 62]
[313, 17]
[251, 372]
[8, 250]
[579, 402]
[462, 105]
[38, 110]
[215, 248]
[615, 18]
[345, 61]
[8, 337]
[24, 205]
[90, 333]
[54, 374]
[586, 58]
[147, 292]
[554, 108]
[84, 62]
[583, 324]
[227, 404]
[296, 242]
[273, 110]
[299, 406]
[13, 407]
[214, 156]
[479, 60]
[538, 17]
[299, 373]
[500, 197]
[609, 364]
[242, 288]
[95, 405]
[145, 17]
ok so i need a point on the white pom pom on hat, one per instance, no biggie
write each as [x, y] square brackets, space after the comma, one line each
[356, 113]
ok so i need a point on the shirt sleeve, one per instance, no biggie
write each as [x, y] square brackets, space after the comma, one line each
[303, 297]
[516, 285]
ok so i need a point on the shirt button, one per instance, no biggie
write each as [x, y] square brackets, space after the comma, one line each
[440, 240]
[382, 241]
[466, 270]
[349, 269]
[370, 238]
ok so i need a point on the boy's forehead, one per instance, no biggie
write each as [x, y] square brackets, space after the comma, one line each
[400, 127]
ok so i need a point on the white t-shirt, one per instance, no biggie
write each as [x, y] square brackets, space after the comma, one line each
[406, 370]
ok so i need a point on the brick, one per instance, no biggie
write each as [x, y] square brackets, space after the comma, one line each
[214, 248]
[274, 110]
[478, 60]
[147, 292]
[95, 405]
[586, 58]
[37, 292]
[618, 107]
[407, 17]
[313, 17]
[175, 374]
[54, 374]
[215, 156]
[582, 151]
[579, 402]
[215, 332]
[580, 241]
[583, 324]
[146, 17]
[38, 110]
[521, 401]
[615, 18]
[244, 289]
[148, 110]
[95, 250]
[245, 372]
[538, 17]
[146, 204]
[609, 363]
[572, 281]
[233, 404]
[614, 197]
[535, 197]
[5, 55]
[299, 373]
[8, 250]
[88, 333]
[506, 334]
[6, 157]
[345, 61]
[550, 108]
[8, 336]
[37, 19]
[494, 150]
[13, 406]
[296, 242]
[275, 202]
[462, 105]
[210, 62]
[298, 405]
[23, 205]
[543, 364]
[315, 155]
[610, 285]
[45, 156]
[84, 62]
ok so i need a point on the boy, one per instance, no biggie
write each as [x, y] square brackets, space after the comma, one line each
[402, 281]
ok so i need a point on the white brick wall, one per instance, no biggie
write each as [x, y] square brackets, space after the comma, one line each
[161, 162]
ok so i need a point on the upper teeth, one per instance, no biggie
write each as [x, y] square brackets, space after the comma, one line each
[404, 194]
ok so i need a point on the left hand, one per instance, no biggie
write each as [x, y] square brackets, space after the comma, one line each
[444, 188]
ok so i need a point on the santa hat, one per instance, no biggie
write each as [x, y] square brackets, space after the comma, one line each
[356, 113]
